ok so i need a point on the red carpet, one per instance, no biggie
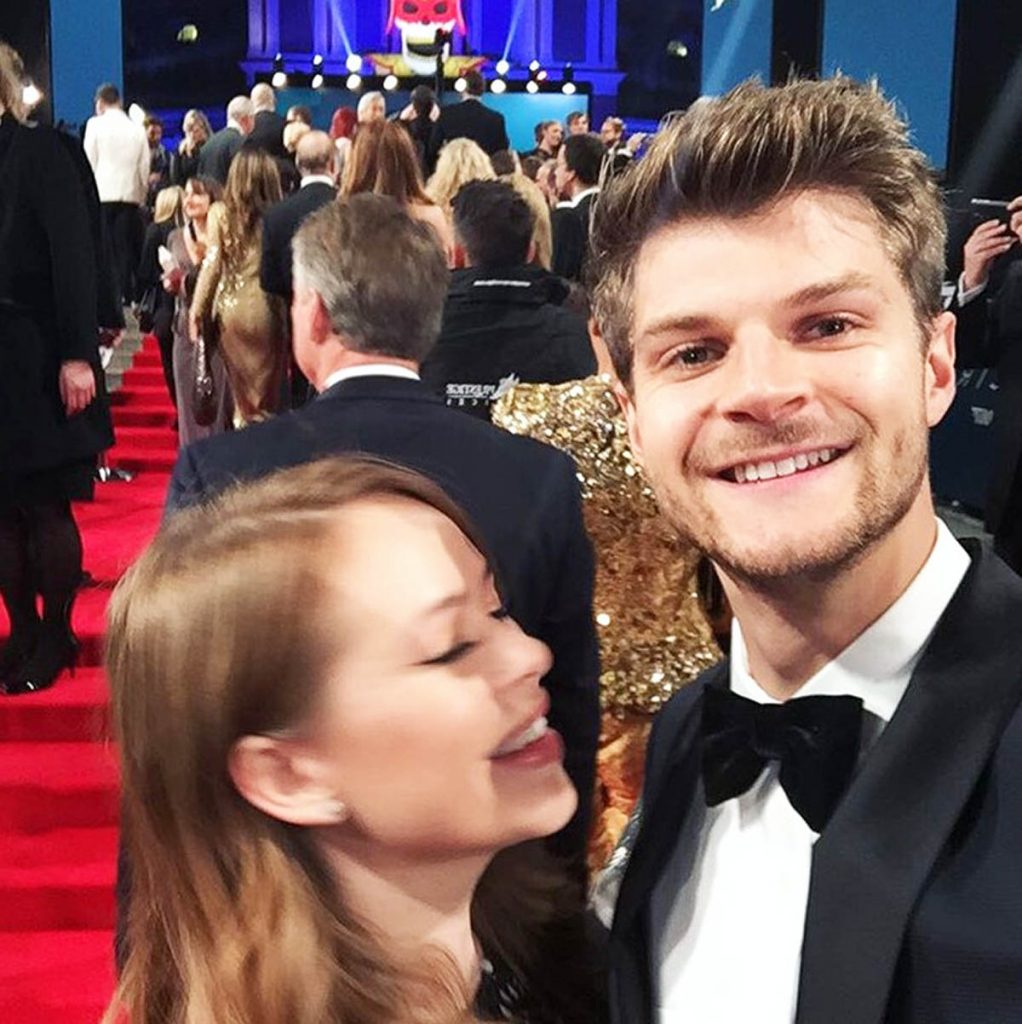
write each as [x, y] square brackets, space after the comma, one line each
[58, 779]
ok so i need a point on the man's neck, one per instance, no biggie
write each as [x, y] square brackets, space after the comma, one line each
[413, 904]
[348, 360]
[794, 628]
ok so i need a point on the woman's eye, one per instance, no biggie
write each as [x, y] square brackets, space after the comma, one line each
[500, 613]
[450, 656]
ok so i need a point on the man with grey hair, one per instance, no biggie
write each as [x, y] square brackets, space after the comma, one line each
[268, 126]
[371, 107]
[369, 290]
[316, 159]
[216, 155]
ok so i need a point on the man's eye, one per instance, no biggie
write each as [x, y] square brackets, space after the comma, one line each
[830, 327]
[694, 356]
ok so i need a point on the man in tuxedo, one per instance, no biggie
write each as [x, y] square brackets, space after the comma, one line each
[316, 158]
[577, 180]
[216, 155]
[988, 302]
[369, 288]
[469, 119]
[267, 125]
[832, 817]
[504, 319]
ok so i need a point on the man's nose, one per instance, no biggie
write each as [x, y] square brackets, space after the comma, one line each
[766, 378]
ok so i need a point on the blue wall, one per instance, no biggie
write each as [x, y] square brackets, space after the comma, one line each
[736, 43]
[909, 47]
[86, 50]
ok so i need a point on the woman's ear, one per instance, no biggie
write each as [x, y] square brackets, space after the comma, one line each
[283, 780]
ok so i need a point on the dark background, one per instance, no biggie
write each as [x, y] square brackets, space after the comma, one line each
[26, 26]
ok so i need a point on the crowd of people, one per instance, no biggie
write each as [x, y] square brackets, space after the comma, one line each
[419, 690]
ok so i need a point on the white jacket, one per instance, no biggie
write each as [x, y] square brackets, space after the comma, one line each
[118, 150]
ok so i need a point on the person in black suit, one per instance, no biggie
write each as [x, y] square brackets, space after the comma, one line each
[369, 293]
[54, 418]
[577, 180]
[217, 153]
[267, 125]
[316, 158]
[831, 818]
[469, 119]
[988, 303]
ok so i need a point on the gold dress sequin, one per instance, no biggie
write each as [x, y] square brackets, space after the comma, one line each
[654, 636]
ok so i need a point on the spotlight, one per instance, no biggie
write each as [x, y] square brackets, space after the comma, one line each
[354, 82]
[676, 48]
[390, 83]
[534, 66]
[532, 87]
[503, 66]
[568, 88]
[317, 81]
[498, 85]
[31, 95]
[568, 84]
[279, 79]
[353, 63]
[188, 34]
[317, 71]
[541, 75]
[460, 85]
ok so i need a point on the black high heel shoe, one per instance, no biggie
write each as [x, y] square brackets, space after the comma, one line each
[16, 651]
[55, 649]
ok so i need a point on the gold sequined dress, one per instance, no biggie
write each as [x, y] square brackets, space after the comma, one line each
[654, 636]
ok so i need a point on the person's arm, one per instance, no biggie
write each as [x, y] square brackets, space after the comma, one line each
[272, 277]
[209, 275]
[142, 164]
[90, 144]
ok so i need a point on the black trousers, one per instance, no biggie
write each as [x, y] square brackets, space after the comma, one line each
[126, 230]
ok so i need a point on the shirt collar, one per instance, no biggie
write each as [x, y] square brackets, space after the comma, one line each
[877, 665]
[369, 370]
[585, 192]
[317, 179]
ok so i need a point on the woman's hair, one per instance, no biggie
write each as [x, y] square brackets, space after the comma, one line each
[342, 124]
[169, 205]
[12, 82]
[383, 161]
[542, 231]
[293, 131]
[253, 184]
[460, 161]
[225, 627]
[423, 99]
[198, 115]
[203, 185]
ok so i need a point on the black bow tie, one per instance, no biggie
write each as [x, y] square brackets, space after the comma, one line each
[814, 739]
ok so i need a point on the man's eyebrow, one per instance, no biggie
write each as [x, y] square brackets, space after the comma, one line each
[822, 290]
[677, 323]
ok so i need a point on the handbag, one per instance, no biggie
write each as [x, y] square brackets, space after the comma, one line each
[204, 399]
[146, 310]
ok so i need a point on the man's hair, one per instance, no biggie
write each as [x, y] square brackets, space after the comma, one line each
[382, 275]
[503, 162]
[422, 99]
[109, 94]
[539, 131]
[263, 97]
[368, 100]
[584, 155]
[315, 152]
[474, 83]
[152, 119]
[748, 150]
[240, 107]
[492, 223]
[300, 112]
[575, 115]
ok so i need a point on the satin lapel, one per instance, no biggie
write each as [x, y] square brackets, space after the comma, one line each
[679, 784]
[872, 861]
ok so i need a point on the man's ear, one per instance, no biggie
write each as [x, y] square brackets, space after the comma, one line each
[940, 368]
[626, 400]
[459, 257]
[284, 780]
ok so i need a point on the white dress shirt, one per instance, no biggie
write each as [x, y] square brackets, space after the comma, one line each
[370, 370]
[729, 937]
[118, 150]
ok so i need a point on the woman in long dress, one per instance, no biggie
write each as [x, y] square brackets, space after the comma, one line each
[248, 324]
[188, 246]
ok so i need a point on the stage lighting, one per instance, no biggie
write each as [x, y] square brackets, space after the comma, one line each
[503, 66]
[676, 48]
[460, 85]
[534, 66]
[541, 75]
[568, 88]
[31, 95]
[279, 79]
[532, 87]
[353, 63]
[188, 34]
[317, 72]
[354, 82]
[498, 85]
[390, 83]
[568, 81]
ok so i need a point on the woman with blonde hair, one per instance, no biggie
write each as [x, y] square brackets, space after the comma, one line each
[249, 324]
[542, 233]
[184, 161]
[460, 161]
[383, 161]
[333, 747]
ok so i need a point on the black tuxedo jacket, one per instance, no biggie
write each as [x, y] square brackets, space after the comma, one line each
[990, 334]
[217, 153]
[915, 898]
[280, 222]
[522, 495]
[469, 119]
[570, 226]
[268, 134]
